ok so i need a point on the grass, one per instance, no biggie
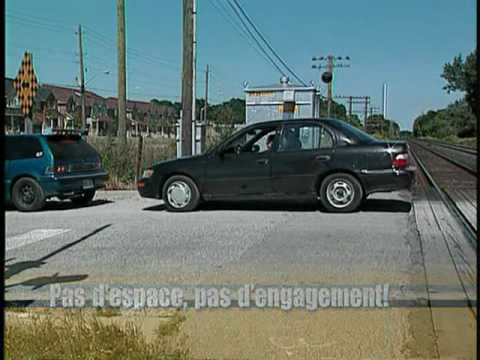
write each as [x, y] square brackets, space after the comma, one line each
[120, 159]
[108, 311]
[81, 335]
[470, 142]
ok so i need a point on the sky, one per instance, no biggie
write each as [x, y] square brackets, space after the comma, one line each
[403, 43]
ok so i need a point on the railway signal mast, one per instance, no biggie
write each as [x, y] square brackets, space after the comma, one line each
[329, 62]
[364, 100]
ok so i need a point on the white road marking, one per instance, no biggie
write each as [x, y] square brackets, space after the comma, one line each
[31, 237]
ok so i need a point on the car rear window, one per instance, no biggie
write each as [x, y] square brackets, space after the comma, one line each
[22, 147]
[351, 131]
[70, 148]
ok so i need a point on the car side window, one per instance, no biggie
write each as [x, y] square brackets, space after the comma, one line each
[326, 139]
[304, 137]
[256, 140]
[19, 148]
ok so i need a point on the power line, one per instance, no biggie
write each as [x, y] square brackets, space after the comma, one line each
[255, 39]
[227, 15]
[267, 43]
[132, 51]
[41, 19]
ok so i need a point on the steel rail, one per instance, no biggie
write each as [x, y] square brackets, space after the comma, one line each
[469, 229]
[449, 159]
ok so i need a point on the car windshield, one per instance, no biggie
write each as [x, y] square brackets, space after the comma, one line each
[70, 148]
[225, 138]
[351, 131]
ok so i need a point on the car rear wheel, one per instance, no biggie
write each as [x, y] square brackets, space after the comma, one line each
[85, 198]
[341, 193]
[180, 194]
[28, 195]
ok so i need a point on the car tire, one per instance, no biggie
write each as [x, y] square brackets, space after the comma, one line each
[341, 193]
[85, 198]
[27, 195]
[180, 194]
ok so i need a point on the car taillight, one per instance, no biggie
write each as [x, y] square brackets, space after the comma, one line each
[57, 169]
[60, 169]
[400, 161]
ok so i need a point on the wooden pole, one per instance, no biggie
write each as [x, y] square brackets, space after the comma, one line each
[122, 82]
[187, 78]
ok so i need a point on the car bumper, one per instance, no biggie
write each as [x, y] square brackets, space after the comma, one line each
[72, 185]
[388, 180]
[147, 189]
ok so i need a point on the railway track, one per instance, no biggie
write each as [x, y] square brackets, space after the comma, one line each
[460, 148]
[446, 204]
[455, 182]
[461, 156]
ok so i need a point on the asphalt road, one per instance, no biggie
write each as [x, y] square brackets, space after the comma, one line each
[122, 239]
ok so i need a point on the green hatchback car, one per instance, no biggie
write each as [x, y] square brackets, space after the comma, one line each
[39, 167]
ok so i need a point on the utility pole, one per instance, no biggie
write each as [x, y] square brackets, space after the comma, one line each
[327, 76]
[194, 81]
[384, 107]
[82, 79]
[329, 85]
[206, 98]
[187, 79]
[359, 101]
[367, 98]
[122, 81]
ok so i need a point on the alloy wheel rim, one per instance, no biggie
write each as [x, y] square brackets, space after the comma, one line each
[340, 194]
[179, 194]
[27, 194]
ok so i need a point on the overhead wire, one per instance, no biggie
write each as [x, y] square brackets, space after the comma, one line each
[266, 42]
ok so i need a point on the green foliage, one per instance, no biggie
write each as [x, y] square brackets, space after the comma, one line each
[456, 119]
[227, 113]
[461, 75]
[406, 134]
[382, 128]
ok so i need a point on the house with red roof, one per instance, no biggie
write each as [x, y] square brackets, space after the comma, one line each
[60, 107]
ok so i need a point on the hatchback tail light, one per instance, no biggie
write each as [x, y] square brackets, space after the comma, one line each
[400, 161]
[57, 169]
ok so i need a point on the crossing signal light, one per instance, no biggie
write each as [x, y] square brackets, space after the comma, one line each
[327, 77]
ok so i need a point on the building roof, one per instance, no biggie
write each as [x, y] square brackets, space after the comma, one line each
[63, 94]
[277, 87]
[143, 106]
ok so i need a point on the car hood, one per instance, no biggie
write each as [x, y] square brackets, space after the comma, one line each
[181, 161]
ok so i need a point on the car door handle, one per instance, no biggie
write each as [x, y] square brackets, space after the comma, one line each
[322, 157]
[262, 161]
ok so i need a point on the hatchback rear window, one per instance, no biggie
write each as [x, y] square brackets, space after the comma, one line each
[70, 148]
[22, 147]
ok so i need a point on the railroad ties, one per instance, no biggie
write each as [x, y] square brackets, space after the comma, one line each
[446, 215]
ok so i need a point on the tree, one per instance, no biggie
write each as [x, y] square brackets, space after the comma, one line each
[380, 127]
[456, 119]
[461, 76]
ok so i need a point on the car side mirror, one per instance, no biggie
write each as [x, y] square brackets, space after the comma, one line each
[231, 150]
[255, 148]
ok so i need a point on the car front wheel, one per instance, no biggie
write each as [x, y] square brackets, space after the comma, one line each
[341, 193]
[28, 195]
[180, 194]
